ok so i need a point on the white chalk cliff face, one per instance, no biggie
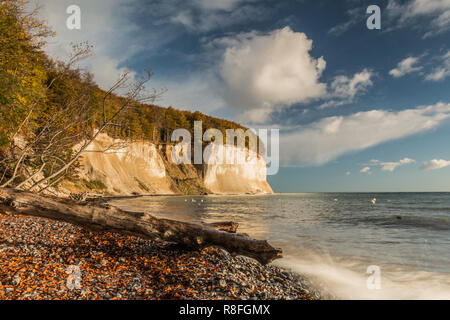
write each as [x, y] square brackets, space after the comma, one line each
[138, 167]
[126, 168]
[233, 170]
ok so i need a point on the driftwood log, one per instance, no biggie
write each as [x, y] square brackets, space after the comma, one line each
[109, 218]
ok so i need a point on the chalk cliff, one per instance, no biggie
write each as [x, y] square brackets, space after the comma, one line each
[234, 176]
[118, 167]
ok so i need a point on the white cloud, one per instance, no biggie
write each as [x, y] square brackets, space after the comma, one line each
[414, 8]
[102, 26]
[106, 71]
[345, 87]
[217, 4]
[435, 164]
[438, 74]
[441, 72]
[388, 166]
[261, 73]
[200, 16]
[405, 66]
[266, 72]
[391, 166]
[344, 90]
[194, 93]
[331, 137]
[407, 14]
[108, 26]
[342, 28]
[356, 15]
[366, 170]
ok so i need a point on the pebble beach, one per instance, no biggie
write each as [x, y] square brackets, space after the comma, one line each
[51, 260]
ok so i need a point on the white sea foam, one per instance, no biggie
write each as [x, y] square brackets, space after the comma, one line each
[334, 242]
[346, 279]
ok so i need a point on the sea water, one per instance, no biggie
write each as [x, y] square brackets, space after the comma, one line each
[336, 238]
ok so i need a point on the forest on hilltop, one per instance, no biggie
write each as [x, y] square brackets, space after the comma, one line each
[48, 106]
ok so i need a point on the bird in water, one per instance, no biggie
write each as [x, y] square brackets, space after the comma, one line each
[373, 201]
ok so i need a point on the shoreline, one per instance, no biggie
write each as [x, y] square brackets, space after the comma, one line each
[35, 254]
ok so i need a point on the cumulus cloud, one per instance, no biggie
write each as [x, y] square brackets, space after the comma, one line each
[391, 166]
[345, 89]
[366, 170]
[407, 65]
[435, 164]
[259, 73]
[441, 72]
[388, 166]
[435, 14]
[410, 65]
[266, 72]
[331, 137]
[117, 38]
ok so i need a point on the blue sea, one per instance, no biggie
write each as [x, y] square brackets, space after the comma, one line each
[333, 238]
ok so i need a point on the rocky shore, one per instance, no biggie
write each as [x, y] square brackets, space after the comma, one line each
[45, 259]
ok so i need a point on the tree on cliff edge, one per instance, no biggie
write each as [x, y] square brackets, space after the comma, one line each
[47, 107]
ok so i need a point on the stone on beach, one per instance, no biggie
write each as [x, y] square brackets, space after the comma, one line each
[35, 254]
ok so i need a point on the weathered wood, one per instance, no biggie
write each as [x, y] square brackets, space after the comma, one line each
[228, 226]
[140, 224]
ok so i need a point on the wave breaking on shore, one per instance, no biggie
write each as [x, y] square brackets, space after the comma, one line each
[347, 279]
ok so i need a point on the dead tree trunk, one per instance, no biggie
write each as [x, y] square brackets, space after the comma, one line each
[139, 224]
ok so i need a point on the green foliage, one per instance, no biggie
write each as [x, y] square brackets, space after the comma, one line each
[22, 71]
[32, 84]
[94, 184]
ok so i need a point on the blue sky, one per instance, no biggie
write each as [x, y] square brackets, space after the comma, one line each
[358, 109]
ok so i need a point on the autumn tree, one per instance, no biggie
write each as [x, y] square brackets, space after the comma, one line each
[22, 70]
[51, 110]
